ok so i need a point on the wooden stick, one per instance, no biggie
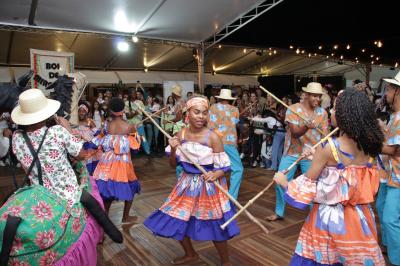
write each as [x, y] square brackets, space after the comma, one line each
[251, 217]
[251, 201]
[154, 114]
[288, 107]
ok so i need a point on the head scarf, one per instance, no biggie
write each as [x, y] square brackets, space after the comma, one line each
[195, 101]
[84, 107]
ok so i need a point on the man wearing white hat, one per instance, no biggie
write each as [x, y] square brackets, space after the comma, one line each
[390, 192]
[223, 119]
[299, 135]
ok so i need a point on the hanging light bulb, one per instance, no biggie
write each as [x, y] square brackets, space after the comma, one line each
[220, 46]
[327, 56]
[377, 59]
[244, 50]
[372, 55]
[341, 57]
[356, 61]
[269, 53]
[297, 51]
[395, 65]
[320, 47]
[315, 54]
[363, 50]
[332, 54]
[303, 51]
[291, 47]
[335, 46]
[274, 51]
[348, 47]
[375, 42]
[372, 62]
[309, 55]
[379, 44]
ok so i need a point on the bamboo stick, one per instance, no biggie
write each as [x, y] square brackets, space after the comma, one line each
[154, 114]
[251, 201]
[288, 107]
[251, 217]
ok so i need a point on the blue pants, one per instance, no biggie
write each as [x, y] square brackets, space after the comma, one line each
[379, 204]
[145, 144]
[391, 224]
[277, 149]
[236, 169]
[151, 131]
[280, 193]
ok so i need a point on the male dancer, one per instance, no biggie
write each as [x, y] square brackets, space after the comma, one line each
[223, 119]
[299, 135]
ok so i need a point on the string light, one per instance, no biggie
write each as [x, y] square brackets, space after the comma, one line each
[274, 51]
[372, 62]
[327, 56]
[363, 50]
[220, 46]
[146, 69]
[291, 47]
[309, 55]
[379, 44]
[297, 51]
[269, 53]
[303, 51]
[377, 59]
[348, 47]
[356, 61]
[315, 54]
[395, 65]
[332, 54]
[320, 47]
[372, 55]
[244, 50]
[335, 46]
[341, 57]
[356, 58]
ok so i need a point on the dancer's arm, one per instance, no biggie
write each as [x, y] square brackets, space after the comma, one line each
[174, 142]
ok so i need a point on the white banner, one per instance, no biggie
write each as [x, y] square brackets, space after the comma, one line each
[47, 66]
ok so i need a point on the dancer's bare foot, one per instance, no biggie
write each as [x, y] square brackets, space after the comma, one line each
[273, 217]
[129, 219]
[185, 259]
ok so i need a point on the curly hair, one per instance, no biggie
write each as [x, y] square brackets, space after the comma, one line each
[356, 118]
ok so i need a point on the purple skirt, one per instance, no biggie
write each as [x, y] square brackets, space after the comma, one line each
[298, 260]
[112, 190]
[162, 224]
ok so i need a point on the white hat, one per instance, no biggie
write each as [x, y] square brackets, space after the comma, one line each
[313, 87]
[177, 90]
[225, 94]
[33, 107]
[395, 81]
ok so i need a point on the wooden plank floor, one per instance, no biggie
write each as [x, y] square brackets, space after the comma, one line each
[141, 247]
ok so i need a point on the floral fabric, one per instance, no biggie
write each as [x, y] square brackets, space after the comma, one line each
[294, 146]
[57, 173]
[393, 138]
[223, 120]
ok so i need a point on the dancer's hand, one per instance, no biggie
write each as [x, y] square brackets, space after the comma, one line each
[308, 152]
[211, 176]
[63, 122]
[174, 142]
[7, 133]
[281, 179]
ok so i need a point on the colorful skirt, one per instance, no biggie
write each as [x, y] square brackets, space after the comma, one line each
[195, 209]
[338, 235]
[93, 160]
[116, 178]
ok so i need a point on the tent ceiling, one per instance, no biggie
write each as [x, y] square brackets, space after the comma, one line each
[185, 20]
[93, 51]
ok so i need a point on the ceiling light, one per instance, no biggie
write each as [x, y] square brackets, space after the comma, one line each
[356, 58]
[244, 50]
[303, 51]
[341, 57]
[327, 56]
[315, 54]
[332, 54]
[348, 47]
[320, 47]
[372, 62]
[335, 46]
[123, 46]
[146, 69]
[219, 46]
[135, 39]
[395, 65]
[309, 55]
[377, 58]
[274, 51]
[379, 44]
[291, 47]
[372, 55]
[297, 51]
[356, 61]
[363, 50]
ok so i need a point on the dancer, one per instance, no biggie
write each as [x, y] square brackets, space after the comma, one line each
[114, 173]
[55, 237]
[341, 183]
[196, 209]
[299, 135]
[223, 120]
[389, 194]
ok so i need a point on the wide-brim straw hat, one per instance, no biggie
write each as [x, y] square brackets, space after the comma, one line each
[177, 90]
[225, 94]
[33, 107]
[395, 80]
[313, 87]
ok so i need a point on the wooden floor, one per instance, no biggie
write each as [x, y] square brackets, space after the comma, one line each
[141, 247]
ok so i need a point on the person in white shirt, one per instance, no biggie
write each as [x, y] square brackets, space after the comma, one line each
[266, 152]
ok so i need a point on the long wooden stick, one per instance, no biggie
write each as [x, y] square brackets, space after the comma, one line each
[251, 217]
[154, 114]
[251, 201]
[291, 109]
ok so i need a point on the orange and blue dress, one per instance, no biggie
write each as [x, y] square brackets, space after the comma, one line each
[196, 208]
[340, 228]
[114, 175]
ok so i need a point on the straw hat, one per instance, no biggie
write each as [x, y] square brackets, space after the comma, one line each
[177, 90]
[313, 87]
[225, 94]
[33, 107]
[395, 80]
